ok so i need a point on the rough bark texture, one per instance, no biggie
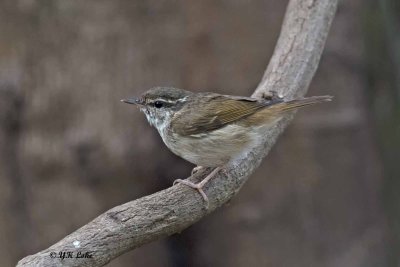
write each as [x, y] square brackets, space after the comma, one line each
[172, 210]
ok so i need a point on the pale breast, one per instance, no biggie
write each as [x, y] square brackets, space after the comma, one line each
[214, 148]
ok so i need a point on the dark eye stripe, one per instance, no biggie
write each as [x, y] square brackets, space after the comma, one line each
[161, 104]
[158, 104]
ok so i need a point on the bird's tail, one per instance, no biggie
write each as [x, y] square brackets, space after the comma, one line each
[298, 103]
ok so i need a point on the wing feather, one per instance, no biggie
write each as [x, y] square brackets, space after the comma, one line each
[214, 113]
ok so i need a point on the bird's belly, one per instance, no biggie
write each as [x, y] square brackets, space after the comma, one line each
[214, 148]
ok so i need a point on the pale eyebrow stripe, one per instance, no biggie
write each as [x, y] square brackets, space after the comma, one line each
[165, 101]
[170, 101]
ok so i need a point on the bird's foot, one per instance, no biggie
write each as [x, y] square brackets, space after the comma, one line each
[199, 186]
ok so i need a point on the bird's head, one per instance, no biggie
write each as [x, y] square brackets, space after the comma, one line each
[159, 104]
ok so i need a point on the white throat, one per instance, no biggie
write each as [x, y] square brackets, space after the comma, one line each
[159, 122]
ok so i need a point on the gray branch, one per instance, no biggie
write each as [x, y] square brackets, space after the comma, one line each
[170, 211]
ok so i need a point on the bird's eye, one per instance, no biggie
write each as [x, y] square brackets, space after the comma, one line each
[158, 104]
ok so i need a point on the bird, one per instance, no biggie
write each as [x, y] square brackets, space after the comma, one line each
[210, 129]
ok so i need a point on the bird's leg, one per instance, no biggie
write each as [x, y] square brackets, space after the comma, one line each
[199, 186]
[196, 169]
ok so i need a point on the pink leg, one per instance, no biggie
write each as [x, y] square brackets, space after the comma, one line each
[199, 186]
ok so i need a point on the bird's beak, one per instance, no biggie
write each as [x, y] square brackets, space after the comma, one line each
[133, 101]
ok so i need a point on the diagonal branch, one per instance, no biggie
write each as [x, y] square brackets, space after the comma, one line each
[152, 217]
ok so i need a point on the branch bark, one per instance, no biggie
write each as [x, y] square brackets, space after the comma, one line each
[170, 211]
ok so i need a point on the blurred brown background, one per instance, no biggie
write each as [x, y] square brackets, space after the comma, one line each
[327, 195]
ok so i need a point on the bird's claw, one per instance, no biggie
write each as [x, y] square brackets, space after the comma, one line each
[198, 187]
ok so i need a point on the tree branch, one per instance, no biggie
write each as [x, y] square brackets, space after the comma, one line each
[170, 211]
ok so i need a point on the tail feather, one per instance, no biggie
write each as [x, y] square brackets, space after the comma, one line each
[298, 103]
